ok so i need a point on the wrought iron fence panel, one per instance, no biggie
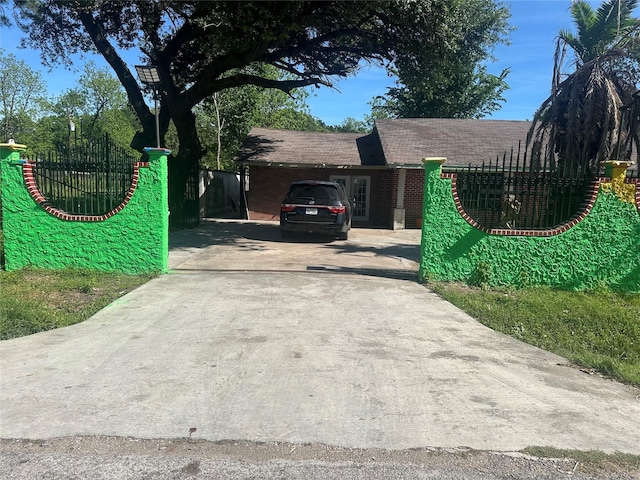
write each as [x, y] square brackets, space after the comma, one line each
[516, 193]
[192, 198]
[85, 178]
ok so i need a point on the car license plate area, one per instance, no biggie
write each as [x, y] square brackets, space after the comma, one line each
[311, 211]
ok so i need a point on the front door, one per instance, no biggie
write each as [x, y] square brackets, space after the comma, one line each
[358, 189]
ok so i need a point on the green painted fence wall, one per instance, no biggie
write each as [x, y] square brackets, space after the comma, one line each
[602, 248]
[132, 239]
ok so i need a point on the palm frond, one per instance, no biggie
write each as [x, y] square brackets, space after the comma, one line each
[568, 38]
[583, 121]
[584, 17]
[600, 30]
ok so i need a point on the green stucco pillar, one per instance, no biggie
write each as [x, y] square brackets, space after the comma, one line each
[11, 190]
[160, 206]
[433, 197]
[11, 150]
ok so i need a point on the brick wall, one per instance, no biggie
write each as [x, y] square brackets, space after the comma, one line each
[413, 195]
[268, 186]
[387, 189]
[380, 209]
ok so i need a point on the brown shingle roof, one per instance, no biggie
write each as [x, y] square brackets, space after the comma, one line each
[406, 141]
[288, 147]
[394, 142]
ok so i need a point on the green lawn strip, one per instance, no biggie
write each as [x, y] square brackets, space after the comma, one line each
[35, 300]
[592, 461]
[597, 329]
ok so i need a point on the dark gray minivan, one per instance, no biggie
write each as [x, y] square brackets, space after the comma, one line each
[316, 206]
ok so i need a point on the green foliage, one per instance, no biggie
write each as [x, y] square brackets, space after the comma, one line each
[96, 106]
[452, 82]
[353, 125]
[102, 106]
[467, 94]
[611, 25]
[21, 97]
[524, 279]
[483, 275]
[38, 300]
[224, 120]
[596, 329]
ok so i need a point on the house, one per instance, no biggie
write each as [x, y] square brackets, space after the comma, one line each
[382, 170]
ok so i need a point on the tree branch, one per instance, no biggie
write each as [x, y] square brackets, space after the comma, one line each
[285, 86]
[98, 36]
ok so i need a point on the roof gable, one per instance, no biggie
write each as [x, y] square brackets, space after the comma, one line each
[406, 141]
[265, 146]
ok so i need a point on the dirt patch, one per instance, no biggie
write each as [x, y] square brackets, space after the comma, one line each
[194, 453]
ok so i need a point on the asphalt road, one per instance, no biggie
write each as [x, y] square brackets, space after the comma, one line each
[304, 342]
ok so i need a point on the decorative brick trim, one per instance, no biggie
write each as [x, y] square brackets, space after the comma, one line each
[592, 195]
[32, 187]
[637, 182]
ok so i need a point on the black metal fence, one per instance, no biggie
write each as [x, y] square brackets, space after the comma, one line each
[515, 193]
[85, 178]
[184, 181]
[191, 214]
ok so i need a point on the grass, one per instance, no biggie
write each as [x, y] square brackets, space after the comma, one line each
[597, 329]
[593, 462]
[35, 300]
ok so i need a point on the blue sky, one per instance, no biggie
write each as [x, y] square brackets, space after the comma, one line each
[530, 58]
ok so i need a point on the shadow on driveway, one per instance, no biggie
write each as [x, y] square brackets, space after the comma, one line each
[236, 245]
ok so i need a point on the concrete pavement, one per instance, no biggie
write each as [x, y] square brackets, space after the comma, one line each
[317, 341]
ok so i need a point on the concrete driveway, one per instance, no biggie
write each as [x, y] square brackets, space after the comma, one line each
[306, 341]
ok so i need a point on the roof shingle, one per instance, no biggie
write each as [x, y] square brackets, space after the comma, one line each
[394, 142]
[289, 147]
[406, 141]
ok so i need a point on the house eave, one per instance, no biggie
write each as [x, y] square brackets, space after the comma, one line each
[312, 165]
[405, 166]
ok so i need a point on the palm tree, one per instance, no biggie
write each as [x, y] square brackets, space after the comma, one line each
[591, 114]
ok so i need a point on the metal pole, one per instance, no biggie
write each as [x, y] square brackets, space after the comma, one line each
[155, 98]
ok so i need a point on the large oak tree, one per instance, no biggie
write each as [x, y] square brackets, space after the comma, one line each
[202, 48]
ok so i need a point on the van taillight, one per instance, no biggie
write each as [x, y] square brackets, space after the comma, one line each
[286, 207]
[341, 209]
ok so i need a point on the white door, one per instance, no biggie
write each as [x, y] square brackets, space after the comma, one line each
[358, 189]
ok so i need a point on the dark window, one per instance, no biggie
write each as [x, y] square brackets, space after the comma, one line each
[310, 194]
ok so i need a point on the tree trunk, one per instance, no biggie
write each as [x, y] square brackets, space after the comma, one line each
[183, 165]
[184, 169]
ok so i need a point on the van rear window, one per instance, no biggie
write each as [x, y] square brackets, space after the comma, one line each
[317, 193]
